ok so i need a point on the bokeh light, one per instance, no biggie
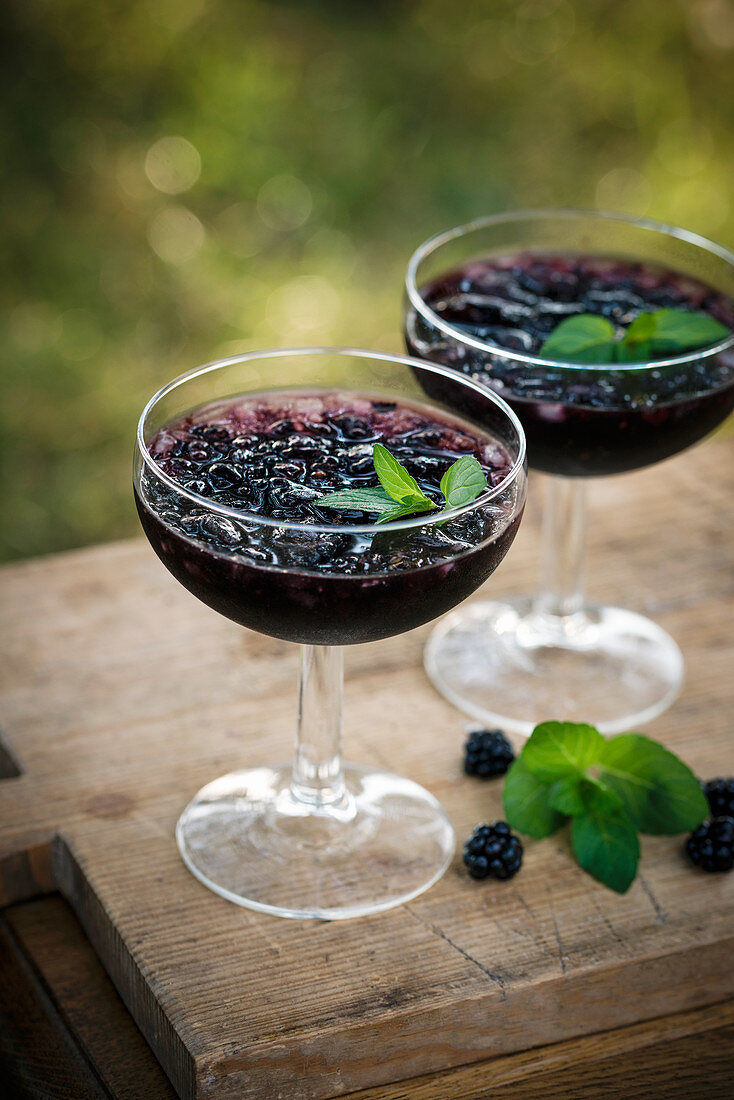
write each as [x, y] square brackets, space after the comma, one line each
[176, 234]
[284, 202]
[172, 165]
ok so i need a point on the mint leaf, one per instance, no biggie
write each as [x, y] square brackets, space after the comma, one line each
[525, 802]
[668, 330]
[558, 749]
[605, 844]
[408, 508]
[679, 330]
[394, 478]
[463, 481]
[575, 796]
[360, 500]
[400, 495]
[611, 789]
[590, 338]
[642, 329]
[584, 338]
[660, 793]
[638, 352]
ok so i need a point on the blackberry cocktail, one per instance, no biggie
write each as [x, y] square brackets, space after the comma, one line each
[485, 300]
[234, 463]
[600, 421]
[274, 456]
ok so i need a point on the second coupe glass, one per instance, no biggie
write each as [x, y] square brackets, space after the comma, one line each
[480, 299]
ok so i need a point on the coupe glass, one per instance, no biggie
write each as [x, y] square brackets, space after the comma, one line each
[554, 655]
[315, 837]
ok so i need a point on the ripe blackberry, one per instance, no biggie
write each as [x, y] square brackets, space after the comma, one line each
[487, 753]
[711, 846]
[493, 850]
[720, 795]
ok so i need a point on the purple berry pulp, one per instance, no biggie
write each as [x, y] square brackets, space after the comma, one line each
[272, 456]
[578, 422]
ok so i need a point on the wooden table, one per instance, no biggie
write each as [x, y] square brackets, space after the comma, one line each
[120, 695]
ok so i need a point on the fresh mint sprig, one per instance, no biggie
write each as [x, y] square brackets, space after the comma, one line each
[610, 789]
[589, 338]
[399, 494]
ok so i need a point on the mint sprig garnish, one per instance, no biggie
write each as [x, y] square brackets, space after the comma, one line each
[399, 494]
[463, 482]
[611, 790]
[361, 500]
[584, 338]
[589, 338]
[607, 846]
[393, 477]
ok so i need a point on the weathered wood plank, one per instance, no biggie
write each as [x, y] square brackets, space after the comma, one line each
[38, 1057]
[85, 1002]
[673, 1056]
[121, 695]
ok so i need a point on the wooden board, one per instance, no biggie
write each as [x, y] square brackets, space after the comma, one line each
[53, 986]
[120, 695]
[64, 1032]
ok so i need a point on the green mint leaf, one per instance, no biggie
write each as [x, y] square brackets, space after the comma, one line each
[584, 338]
[590, 338]
[359, 500]
[398, 494]
[525, 802]
[394, 478]
[606, 845]
[659, 793]
[558, 749]
[641, 352]
[463, 481]
[409, 507]
[680, 330]
[642, 329]
[574, 796]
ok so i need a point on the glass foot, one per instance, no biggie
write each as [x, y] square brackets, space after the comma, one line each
[247, 838]
[508, 665]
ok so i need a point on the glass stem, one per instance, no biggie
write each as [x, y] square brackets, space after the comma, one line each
[317, 768]
[561, 591]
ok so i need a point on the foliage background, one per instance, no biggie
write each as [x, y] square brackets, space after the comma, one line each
[189, 178]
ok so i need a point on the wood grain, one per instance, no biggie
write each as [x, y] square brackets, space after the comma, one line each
[120, 695]
[38, 1057]
[52, 965]
[84, 1001]
[691, 1054]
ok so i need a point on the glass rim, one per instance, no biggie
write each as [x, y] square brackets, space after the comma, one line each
[423, 520]
[438, 239]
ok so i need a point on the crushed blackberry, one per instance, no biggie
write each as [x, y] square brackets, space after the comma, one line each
[516, 302]
[275, 458]
[711, 846]
[720, 795]
[487, 753]
[579, 422]
[493, 850]
[268, 565]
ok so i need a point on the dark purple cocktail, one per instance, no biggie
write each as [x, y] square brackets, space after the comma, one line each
[482, 300]
[273, 456]
[230, 464]
[594, 421]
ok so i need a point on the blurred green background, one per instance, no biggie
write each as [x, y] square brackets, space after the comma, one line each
[189, 178]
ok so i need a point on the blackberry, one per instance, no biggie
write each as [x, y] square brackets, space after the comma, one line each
[720, 795]
[493, 850]
[711, 846]
[487, 753]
